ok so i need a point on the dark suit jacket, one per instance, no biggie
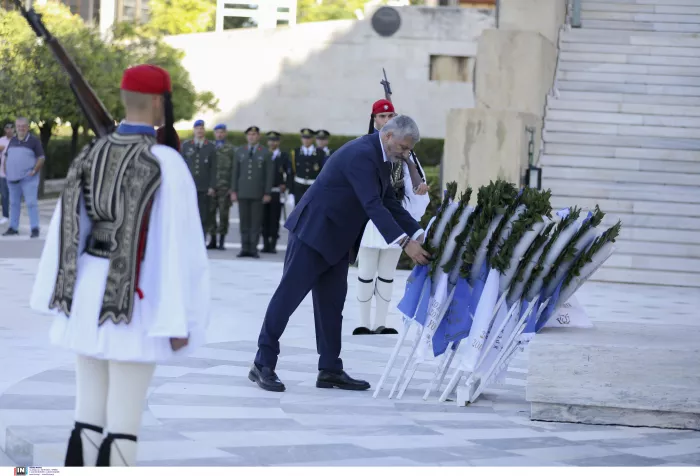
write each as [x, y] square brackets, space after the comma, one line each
[351, 189]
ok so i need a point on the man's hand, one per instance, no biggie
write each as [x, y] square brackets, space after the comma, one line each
[416, 252]
[32, 173]
[267, 198]
[422, 189]
[234, 196]
[211, 192]
[177, 343]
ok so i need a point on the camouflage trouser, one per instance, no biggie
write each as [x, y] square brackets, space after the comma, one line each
[221, 204]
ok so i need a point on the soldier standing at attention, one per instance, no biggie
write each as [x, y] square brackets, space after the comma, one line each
[253, 173]
[222, 201]
[322, 137]
[200, 155]
[273, 210]
[307, 161]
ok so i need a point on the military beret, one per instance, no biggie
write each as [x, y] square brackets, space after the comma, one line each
[198, 123]
[252, 129]
[307, 133]
[322, 134]
[146, 79]
[220, 126]
[272, 135]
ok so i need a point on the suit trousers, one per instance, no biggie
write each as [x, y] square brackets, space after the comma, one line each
[305, 270]
[299, 191]
[203, 201]
[250, 212]
[271, 219]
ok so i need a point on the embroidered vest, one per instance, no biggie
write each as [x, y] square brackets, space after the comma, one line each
[117, 177]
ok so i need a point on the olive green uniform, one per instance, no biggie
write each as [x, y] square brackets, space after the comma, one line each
[201, 160]
[225, 155]
[253, 175]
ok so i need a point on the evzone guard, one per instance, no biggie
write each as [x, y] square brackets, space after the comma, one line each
[377, 260]
[124, 271]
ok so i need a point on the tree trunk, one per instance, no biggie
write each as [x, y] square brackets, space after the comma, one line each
[45, 132]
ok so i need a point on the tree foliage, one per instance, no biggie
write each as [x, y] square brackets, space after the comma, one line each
[324, 10]
[178, 17]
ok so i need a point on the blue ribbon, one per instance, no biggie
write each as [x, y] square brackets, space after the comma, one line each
[414, 290]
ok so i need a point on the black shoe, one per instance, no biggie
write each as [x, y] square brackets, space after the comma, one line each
[361, 331]
[10, 232]
[255, 254]
[273, 247]
[212, 243]
[341, 380]
[385, 330]
[35, 233]
[242, 254]
[222, 242]
[266, 378]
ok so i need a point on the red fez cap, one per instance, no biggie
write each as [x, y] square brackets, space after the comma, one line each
[146, 79]
[382, 106]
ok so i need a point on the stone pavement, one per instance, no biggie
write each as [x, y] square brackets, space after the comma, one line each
[203, 411]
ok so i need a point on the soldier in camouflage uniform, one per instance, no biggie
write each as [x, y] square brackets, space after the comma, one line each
[307, 161]
[322, 138]
[200, 155]
[253, 174]
[222, 201]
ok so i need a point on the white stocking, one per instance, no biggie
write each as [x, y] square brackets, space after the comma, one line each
[366, 272]
[128, 386]
[388, 259]
[91, 380]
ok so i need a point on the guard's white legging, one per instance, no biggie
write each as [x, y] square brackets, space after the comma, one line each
[380, 264]
[110, 395]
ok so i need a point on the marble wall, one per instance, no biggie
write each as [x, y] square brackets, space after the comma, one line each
[326, 75]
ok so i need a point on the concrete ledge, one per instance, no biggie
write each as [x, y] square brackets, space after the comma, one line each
[617, 374]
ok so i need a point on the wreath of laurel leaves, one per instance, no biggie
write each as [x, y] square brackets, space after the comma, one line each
[494, 199]
[461, 239]
[491, 249]
[452, 222]
[574, 213]
[536, 245]
[449, 196]
[587, 256]
[570, 250]
[537, 207]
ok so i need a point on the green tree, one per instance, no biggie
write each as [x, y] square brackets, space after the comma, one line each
[178, 17]
[324, 10]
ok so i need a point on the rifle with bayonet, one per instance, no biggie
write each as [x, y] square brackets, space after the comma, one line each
[97, 116]
[416, 175]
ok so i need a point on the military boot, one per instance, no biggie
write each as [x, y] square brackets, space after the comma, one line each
[212, 243]
[273, 246]
[222, 242]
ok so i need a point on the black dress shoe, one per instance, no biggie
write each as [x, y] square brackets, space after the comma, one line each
[10, 232]
[222, 242]
[255, 254]
[385, 330]
[266, 378]
[341, 380]
[242, 254]
[361, 331]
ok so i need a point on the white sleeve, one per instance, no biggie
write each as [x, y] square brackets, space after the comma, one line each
[413, 203]
[175, 273]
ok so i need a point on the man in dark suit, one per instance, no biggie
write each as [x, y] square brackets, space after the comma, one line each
[325, 230]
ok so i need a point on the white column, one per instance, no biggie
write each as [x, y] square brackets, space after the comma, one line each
[219, 15]
[107, 15]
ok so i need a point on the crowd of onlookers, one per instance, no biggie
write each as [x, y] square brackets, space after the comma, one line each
[21, 159]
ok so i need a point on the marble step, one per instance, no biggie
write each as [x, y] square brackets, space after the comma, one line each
[611, 274]
[660, 27]
[646, 2]
[644, 208]
[643, 141]
[622, 130]
[643, 110]
[625, 88]
[599, 6]
[636, 153]
[688, 266]
[638, 17]
[554, 148]
[593, 76]
[652, 71]
[622, 119]
[588, 34]
[607, 163]
[657, 249]
[659, 235]
[627, 99]
[657, 199]
[658, 52]
[617, 54]
[620, 176]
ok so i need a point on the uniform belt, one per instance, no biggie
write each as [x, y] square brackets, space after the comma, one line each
[304, 181]
[274, 189]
